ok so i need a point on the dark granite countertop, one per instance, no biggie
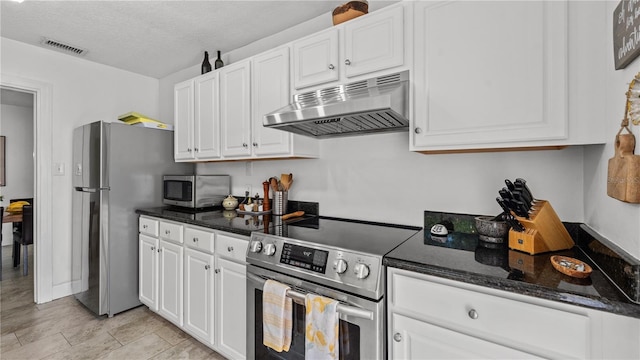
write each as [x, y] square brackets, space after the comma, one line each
[612, 287]
[228, 220]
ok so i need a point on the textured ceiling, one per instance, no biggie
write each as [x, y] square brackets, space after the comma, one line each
[154, 38]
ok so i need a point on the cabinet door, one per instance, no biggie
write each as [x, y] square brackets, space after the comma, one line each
[148, 271]
[480, 86]
[235, 109]
[270, 91]
[231, 300]
[170, 282]
[374, 42]
[199, 295]
[183, 120]
[413, 339]
[206, 117]
[315, 59]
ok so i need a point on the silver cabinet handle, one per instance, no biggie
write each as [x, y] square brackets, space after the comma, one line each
[331, 67]
[216, 271]
[417, 130]
[195, 239]
[195, 149]
[397, 337]
[347, 62]
[159, 249]
[206, 267]
[255, 144]
[144, 226]
[153, 248]
[230, 249]
[167, 232]
[188, 149]
[244, 145]
[473, 314]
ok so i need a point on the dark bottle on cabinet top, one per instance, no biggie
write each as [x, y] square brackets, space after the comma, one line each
[218, 64]
[206, 66]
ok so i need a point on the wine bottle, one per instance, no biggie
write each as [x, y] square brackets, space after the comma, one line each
[218, 64]
[206, 66]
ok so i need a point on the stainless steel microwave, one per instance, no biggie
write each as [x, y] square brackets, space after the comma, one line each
[196, 191]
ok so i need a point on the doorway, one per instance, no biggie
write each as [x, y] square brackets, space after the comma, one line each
[17, 126]
[43, 289]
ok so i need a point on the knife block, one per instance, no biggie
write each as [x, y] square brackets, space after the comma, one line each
[544, 232]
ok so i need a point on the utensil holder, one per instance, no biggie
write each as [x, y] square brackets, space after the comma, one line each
[543, 232]
[280, 203]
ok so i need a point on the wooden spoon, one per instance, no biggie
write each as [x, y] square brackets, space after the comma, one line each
[274, 184]
[284, 179]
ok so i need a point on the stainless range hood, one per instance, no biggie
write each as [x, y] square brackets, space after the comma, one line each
[369, 106]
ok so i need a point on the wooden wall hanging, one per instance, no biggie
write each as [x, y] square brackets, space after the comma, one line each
[623, 176]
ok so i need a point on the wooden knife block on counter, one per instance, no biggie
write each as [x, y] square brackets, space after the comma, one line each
[544, 232]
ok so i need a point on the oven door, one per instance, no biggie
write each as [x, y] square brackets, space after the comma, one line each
[361, 334]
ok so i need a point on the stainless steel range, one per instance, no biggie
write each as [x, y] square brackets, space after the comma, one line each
[336, 258]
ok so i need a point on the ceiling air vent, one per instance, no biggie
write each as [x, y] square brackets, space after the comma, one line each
[60, 46]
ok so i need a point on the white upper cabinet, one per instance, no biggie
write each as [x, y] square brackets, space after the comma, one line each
[315, 59]
[183, 120]
[496, 75]
[365, 45]
[207, 117]
[197, 119]
[235, 109]
[270, 86]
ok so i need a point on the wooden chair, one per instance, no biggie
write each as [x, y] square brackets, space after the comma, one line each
[17, 231]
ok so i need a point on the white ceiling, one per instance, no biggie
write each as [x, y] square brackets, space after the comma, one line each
[154, 38]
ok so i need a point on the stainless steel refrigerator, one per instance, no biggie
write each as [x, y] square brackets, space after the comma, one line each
[117, 168]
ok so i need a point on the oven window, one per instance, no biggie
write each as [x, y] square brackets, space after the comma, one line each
[349, 336]
[177, 190]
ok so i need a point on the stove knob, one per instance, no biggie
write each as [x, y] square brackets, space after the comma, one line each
[270, 249]
[340, 266]
[255, 246]
[361, 271]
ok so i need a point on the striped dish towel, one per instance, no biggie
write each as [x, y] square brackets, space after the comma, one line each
[321, 335]
[276, 316]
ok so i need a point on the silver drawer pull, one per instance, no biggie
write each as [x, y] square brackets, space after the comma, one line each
[167, 232]
[195, 239]
[153, 248]
[144, 226]
[206, 267]
[397, 337]
[473, 314]
[230, 249]
[347, 62]
[216, 271]
[331, 67]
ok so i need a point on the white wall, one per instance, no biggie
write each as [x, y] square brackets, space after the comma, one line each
[614, 219]
[16, 123]
[83, 92]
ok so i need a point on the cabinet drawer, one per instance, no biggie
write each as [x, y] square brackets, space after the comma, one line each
[171, 231]
[148, 226]
[501, 320]
[232, 247]
[199, 239]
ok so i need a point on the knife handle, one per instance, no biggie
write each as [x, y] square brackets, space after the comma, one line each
[505, 193]
[523, 183]
[503, 205]
[509, 184]
[514, 223]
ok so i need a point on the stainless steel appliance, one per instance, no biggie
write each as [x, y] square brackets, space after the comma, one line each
[196, 191]
[116, 169]
[332, 257]
[368, 106]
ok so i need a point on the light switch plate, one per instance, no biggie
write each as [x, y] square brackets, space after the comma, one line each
[58, 169]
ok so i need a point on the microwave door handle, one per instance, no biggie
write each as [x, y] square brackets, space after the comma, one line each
[342, 309]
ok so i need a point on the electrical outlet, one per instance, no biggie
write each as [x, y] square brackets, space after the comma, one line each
[247, 189]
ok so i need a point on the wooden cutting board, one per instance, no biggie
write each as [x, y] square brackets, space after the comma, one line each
[623, 177]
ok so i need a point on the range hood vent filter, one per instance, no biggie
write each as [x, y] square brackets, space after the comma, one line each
[368, 106]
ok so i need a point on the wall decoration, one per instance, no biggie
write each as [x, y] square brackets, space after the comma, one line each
[626, 33]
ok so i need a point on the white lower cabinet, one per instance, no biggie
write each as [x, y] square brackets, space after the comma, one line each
[231, 298]
[435, 318]
[170, 282]
[198, 295]
[199, 284]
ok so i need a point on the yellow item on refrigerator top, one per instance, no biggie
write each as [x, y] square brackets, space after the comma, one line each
[16, 207]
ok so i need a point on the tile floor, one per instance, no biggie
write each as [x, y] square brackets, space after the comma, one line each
[64, 329]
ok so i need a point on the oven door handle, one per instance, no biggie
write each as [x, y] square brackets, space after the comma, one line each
[343, 309]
